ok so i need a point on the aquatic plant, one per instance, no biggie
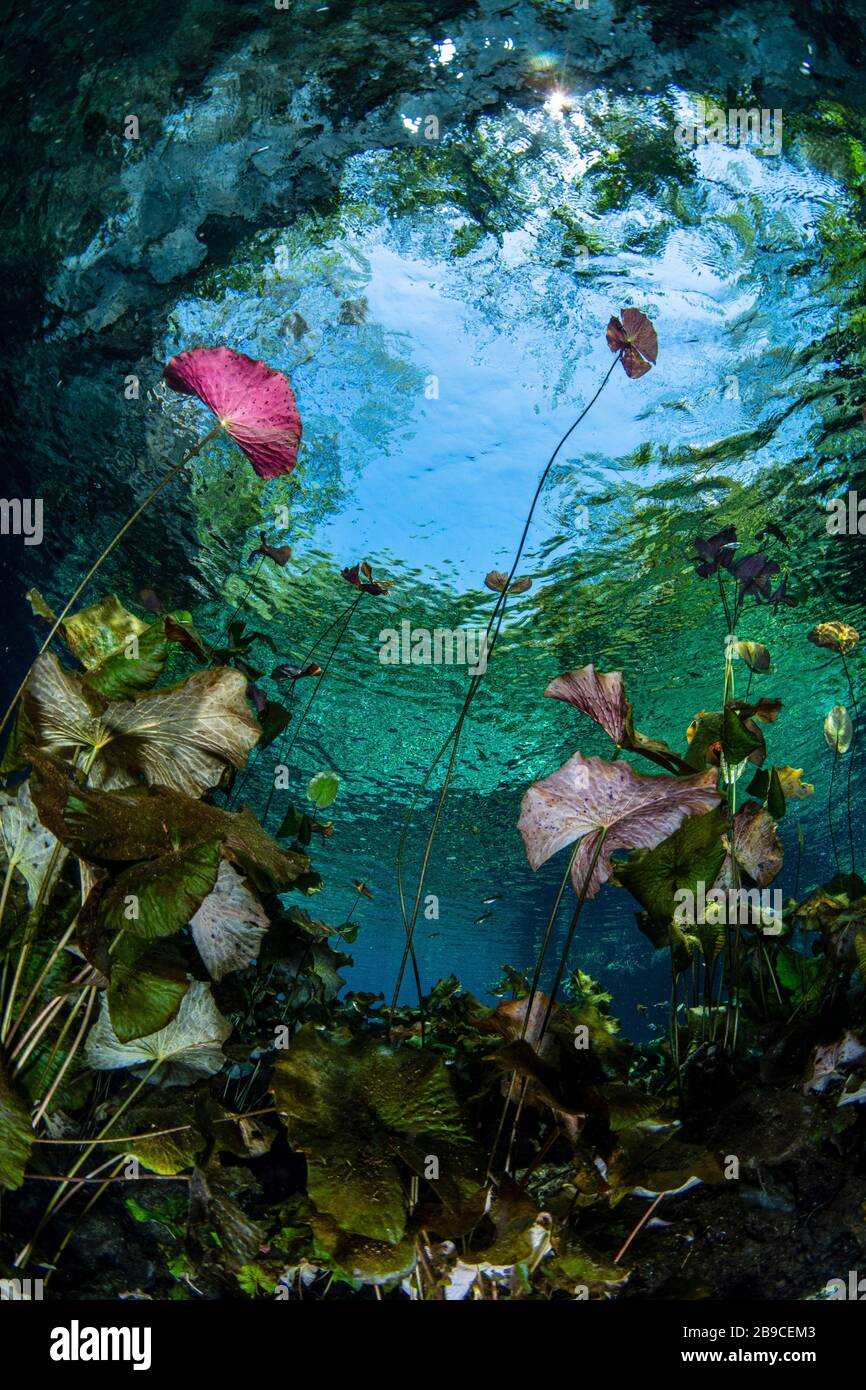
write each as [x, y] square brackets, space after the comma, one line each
[640, 342]
[254, 405]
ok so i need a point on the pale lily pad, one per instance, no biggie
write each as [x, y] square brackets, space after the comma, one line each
[229, 925]
[754, 654]
[588, 796]
[189, 1048]
[181, 737]
[759, 849]
[601, 696]
[28, 845]
[838, 729]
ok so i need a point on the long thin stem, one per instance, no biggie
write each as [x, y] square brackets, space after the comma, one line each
[25, 1254]
[493, 629]
[539, 962]
[855, 715]
[830, 805]
[284, 754]
[112, 545]
[560, 971]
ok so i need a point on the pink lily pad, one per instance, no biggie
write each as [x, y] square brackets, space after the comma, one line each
[635, 338]
[596, 693]
[253, 403]
[589, 795]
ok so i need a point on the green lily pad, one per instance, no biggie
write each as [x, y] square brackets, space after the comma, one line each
[145, 991]
[323, 788]
[165, 1153]
[738, 742]
[189, 1048]
[694, 854]
[159, 896]
[143, 823]
[95, 632]
[16, 1134]
[350, 1107]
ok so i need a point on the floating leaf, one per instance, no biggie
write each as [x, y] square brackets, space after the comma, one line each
[498, 582]
[838, 637]
[323, 788]
[181, 737]
[838, 729]
[253, 403]
[367, 585]
[280, 554]
[229, 926]
[588, 796]
[189, 1048]
[635, 338]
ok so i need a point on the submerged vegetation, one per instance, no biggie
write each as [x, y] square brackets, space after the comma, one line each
[178, 1054]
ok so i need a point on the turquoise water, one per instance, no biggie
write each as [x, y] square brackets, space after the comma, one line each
[440, 307]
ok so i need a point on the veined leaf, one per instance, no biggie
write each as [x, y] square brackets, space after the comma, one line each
[181, 737]
[189, 1048]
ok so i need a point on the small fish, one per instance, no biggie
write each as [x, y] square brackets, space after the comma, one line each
[771, 529]
[483, 918]
[151, 601]
[485, 902]
[642, 1010]
[288, 672]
